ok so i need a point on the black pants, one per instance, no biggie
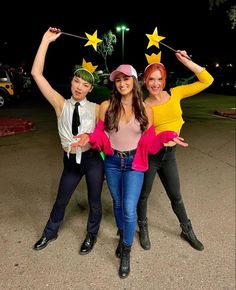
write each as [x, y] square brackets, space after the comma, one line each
[92, 166]
[163, 163]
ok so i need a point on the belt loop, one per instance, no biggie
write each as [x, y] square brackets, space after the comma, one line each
[122, 155]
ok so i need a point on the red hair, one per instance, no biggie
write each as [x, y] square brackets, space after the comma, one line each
[153, 67]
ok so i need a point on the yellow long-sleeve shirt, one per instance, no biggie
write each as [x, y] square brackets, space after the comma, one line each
[168, 116]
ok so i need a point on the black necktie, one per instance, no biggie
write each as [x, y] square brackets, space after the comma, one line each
[75, 119]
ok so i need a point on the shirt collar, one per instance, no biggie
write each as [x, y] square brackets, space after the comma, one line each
[82, 103]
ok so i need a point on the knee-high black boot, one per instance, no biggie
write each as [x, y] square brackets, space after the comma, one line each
[189, 235]
[144, 235]
[124, 269]
[119, 246]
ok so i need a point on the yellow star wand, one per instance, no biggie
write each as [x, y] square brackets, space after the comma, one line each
[92, 39]
[155, 39]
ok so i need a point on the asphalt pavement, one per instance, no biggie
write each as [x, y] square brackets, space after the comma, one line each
[30, 169]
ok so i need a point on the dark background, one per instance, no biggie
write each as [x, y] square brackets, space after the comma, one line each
[189, 25]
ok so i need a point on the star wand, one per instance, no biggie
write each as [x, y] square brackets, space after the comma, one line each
[73, 35]
[155, 39]
[188, 57]
[92, 39]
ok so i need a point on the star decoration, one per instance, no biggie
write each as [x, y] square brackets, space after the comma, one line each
[92, 40]
[153, 57]
[88, 66]
[154, 38]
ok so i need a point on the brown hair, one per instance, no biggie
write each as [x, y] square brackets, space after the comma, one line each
[113, 112]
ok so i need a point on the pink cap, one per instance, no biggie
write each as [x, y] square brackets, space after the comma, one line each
[126, 69]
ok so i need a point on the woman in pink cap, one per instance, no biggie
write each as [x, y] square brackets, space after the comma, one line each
[167, 114]
[126, 135]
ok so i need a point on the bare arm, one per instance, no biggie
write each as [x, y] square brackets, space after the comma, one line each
[182, 57]
[103, 108]
[149, 113]
[97, 112]
[54, 98]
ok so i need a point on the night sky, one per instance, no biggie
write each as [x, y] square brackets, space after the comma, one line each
[204, 34]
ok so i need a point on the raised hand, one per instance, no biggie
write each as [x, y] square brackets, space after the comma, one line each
[182, 55]
[52, 34]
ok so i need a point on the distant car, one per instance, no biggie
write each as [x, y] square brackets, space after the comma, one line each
[7, 90]
[185, 81]
[104, 79]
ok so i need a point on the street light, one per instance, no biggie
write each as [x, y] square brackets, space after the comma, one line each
[122, 28]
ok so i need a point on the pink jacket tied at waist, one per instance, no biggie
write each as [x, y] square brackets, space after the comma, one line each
[149, 143]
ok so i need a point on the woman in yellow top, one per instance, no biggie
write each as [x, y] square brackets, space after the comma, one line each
[168, 116]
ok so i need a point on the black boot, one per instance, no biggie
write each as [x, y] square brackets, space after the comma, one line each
[143, 235]
[188, 235]
[119, 246]
[124, 262]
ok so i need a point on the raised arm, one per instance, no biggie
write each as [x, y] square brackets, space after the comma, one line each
[54, 98]
[205, 79]
[183, 57]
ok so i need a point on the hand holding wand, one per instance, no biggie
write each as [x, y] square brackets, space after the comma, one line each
[188, 57]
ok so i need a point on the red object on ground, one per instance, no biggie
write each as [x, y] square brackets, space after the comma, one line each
[11, 126]
[229, 113]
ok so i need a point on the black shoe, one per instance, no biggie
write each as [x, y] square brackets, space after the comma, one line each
[144, 235]
[189, 235]
[88, 244]
[124, 269]
[43, 242]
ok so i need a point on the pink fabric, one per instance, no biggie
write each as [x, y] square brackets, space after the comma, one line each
[149, 143]
[99, 139]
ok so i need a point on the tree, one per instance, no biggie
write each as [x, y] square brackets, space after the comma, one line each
[106, 47]
[232, 16]
[231, 12]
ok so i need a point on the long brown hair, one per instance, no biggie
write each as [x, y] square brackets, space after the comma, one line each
[113, 112]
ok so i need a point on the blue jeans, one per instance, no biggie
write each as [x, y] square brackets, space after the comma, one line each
[125, 185]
